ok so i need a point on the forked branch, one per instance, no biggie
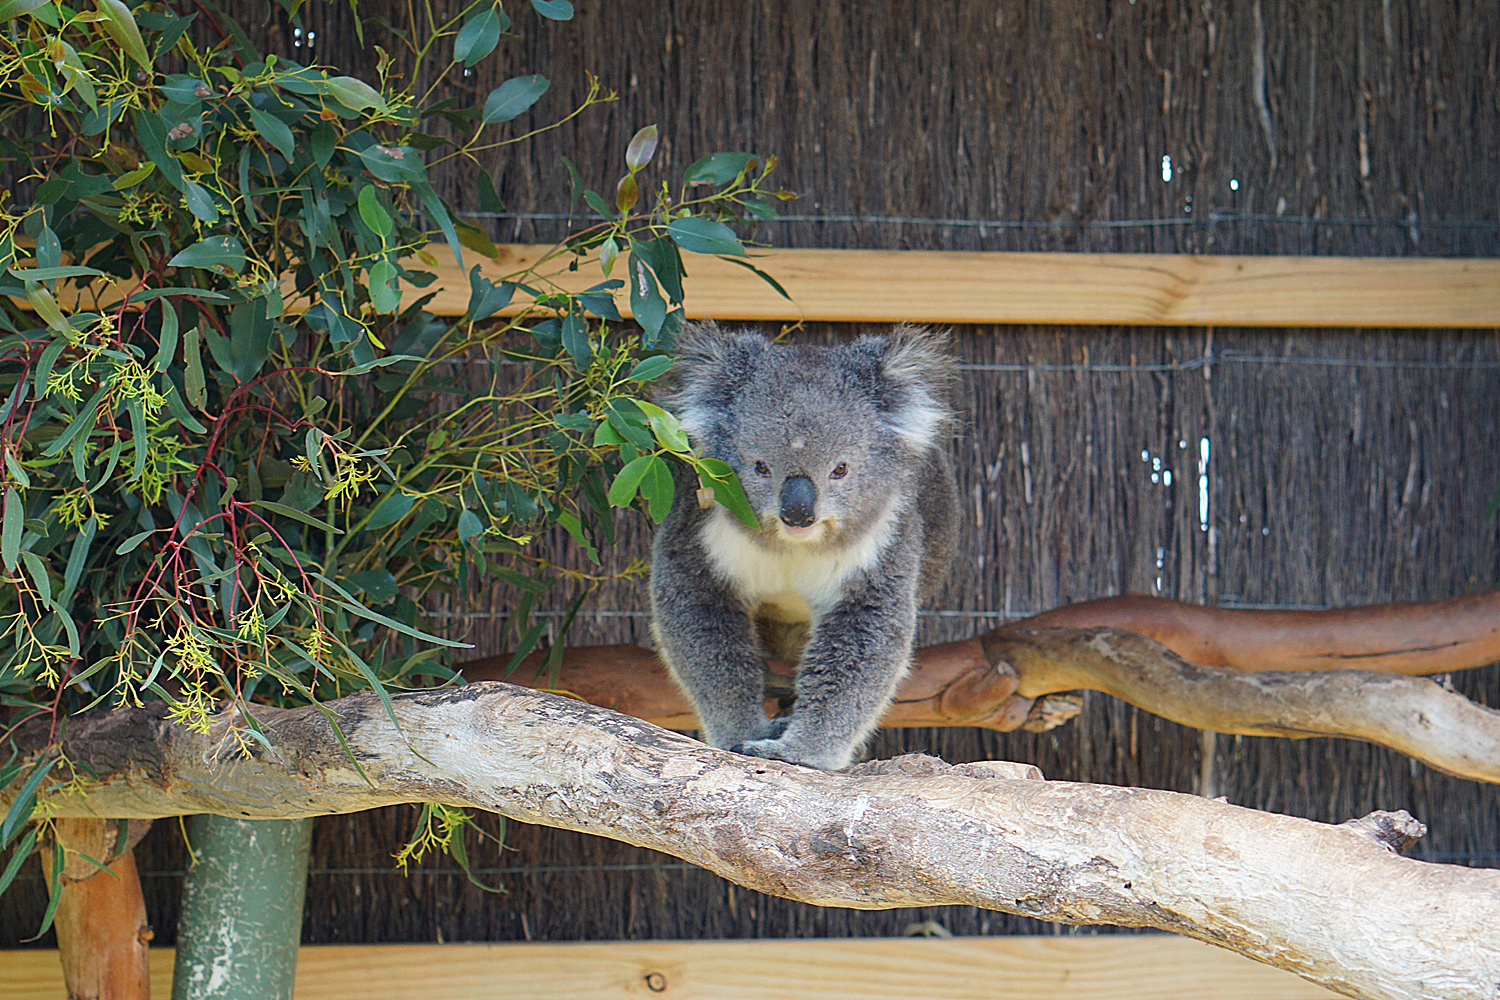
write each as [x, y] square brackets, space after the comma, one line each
[1332, 903]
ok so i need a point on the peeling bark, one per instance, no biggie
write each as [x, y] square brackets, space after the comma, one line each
[1332, 903]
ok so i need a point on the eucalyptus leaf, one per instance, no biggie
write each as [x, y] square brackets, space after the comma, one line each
[222, 254]
[275, 131]
[513, 97]
[556, 10]
[477, 38]
[355, 94]
[700, 235]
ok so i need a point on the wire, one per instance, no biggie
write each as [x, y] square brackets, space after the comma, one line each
[1208, 218]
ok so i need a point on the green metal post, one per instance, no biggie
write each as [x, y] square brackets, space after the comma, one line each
[241, 920]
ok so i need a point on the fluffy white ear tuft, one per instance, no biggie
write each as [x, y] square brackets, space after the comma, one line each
[919, 370]
[710, 362]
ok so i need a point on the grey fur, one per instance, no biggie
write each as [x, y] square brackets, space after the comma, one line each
[844, 597]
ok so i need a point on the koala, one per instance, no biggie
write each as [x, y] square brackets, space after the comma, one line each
[842, 453]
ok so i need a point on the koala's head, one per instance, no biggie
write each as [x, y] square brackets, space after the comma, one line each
[825, 440]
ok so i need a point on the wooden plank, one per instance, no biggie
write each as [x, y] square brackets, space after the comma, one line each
[1119, 967]
[887, 286]
[891, 286]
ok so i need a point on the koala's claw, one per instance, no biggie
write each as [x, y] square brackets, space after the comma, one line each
[790, 753]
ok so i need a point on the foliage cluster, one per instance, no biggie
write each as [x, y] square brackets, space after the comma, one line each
[237, 447]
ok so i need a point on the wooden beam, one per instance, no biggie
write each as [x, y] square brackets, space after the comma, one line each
[888, 286]
[1112, 967]
[892, 286]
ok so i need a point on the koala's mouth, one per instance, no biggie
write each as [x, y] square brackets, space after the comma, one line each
[806, 533]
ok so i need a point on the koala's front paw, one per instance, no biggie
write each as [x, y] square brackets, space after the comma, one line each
[792, 752]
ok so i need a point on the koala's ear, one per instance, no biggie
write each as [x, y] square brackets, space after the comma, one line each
[917, 373]
[711, 365]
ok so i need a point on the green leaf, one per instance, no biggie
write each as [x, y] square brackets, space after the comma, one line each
[19, 855]
[199, 201]
[48, 249]
[82, 424]
[628, 480]
[574, 527]
[354, 607]
[275, 131]
[76, 558]
[390, 510]
[166, 342]
[598, 204]
[385, 297]
[192, 378]
[133, 542]
[667, 428]
[394, 164]
[556, 10]
[656, 487]
[11, 524]
[355, 94]
[477, 38]
[665, 261]
[374, 213]
[646, 302]
[249, 339]
[513, 97]
[178, 408]
[151, 131]
[699, 235]
[438, 212]
[53, 273]
[12, 9]
[763, 275]
[223, 254]
[651, 368]
[120, 25]
[575, 339]
[381, 362]
[609, 252]
[295, 515]
[717, 168]
[641, 148]
[475, 239]
[25, 800]
[485, 297]
[46, 307]
[728, 491]
[469, 525]
[134, 177]
[39, 577]
[627, 193]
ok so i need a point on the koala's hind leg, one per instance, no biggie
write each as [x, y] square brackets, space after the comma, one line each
[855, 657]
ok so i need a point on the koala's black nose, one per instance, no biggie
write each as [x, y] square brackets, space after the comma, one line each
[798, 498]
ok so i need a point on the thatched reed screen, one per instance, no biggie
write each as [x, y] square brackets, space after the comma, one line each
[1296, 468]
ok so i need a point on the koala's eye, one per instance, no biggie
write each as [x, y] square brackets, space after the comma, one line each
[762, 469]
[839, 471]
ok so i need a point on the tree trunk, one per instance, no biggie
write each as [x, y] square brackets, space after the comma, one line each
[1335, 904]
[102, 934]
[241, 921]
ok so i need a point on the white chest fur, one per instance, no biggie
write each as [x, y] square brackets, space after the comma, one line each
[792, 582]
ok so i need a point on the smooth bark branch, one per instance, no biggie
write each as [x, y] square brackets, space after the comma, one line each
[1332, 903]
[1316, 673]
[1428, 637]
[1413, 715]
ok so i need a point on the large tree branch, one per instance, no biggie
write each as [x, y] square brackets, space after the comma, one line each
[1333, 903]
[1011, 677]
[1427, 637]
